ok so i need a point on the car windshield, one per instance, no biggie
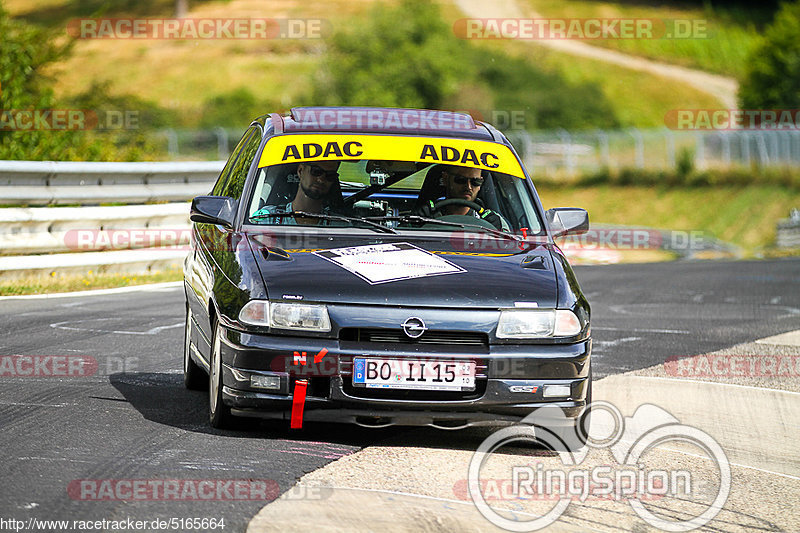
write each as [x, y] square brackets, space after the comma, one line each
[391, 194]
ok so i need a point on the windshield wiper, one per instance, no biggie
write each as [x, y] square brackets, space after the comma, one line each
[322, 216]
[428, 220]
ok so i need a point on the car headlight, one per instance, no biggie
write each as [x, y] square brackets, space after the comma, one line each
[307, 317]
[537, 324]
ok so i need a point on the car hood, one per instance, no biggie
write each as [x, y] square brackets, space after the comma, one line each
[392, 270]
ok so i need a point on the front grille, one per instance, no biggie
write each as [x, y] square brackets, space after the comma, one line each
[386, 335]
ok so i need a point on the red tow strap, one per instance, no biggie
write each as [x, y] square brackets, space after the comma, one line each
[298, 402]
[300, 386]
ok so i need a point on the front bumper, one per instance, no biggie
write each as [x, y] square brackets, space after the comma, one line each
[510, 381]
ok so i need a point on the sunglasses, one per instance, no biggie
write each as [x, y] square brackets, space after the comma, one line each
[318, 172]
[461, 180]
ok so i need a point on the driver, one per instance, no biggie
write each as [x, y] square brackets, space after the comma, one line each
[464, 183]
[316, 178]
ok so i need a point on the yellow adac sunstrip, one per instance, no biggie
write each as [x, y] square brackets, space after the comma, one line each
[320, 147]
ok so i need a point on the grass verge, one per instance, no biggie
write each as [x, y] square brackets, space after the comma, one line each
[278, 71]
[77, 282]
[722, 46]
[637, 99]
[744, 216]
[166, 70]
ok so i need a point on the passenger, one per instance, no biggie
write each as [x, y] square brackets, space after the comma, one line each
[316, 179]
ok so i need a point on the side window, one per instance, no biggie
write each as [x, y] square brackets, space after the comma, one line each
[234, 185]
[223, 182]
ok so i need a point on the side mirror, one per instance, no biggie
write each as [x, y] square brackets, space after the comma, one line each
[567, 220]
[219, 210]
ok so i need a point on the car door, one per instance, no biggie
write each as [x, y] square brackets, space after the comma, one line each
[212, 260]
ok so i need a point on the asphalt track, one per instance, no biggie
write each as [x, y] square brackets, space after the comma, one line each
[134, 420]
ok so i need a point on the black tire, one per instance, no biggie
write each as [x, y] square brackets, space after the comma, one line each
[194, 378]
[219, 414]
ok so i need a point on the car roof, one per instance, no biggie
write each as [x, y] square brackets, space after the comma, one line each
[383, 120]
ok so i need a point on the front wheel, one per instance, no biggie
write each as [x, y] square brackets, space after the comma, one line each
[193, 376]
[219, 414]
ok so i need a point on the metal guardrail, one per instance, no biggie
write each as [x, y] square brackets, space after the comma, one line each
[30, 230]
[85, 230]
[561, 152]
[116, 261]
[66, 182]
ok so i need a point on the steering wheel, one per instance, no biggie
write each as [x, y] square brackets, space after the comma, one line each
[438, 206]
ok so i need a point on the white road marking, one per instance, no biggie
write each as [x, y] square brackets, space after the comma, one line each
[99, 292]
[684, 380]
[792, 311]
[641, 309]
[426, 497]
[731, 462]
[790, 338]
[53, 459]
[618, 341]
[151, 331]
[645, 330]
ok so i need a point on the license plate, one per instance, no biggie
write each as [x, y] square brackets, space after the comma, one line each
[414, 374]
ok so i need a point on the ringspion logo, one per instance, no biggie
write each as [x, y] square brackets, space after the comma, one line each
[629, 440]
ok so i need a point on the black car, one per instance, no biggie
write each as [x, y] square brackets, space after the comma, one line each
[378, 267]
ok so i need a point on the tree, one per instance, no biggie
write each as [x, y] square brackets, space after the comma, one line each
[773, 77]
[25, 51]
[407, 56]
[403, 56]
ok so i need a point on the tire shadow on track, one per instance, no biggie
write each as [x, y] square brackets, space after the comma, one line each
[162, 398]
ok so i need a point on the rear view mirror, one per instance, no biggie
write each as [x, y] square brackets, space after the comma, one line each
[567, 221]
[219, 210]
